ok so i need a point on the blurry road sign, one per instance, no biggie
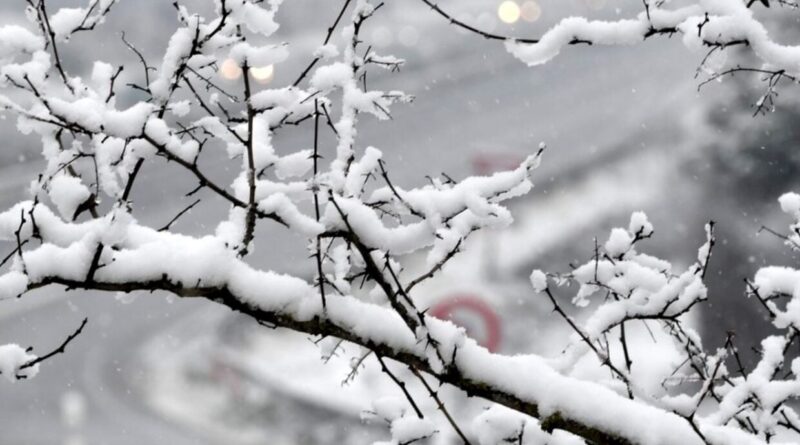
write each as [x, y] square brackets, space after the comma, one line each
[472, 314]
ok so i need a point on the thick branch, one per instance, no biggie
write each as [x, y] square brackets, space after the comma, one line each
[325, 325]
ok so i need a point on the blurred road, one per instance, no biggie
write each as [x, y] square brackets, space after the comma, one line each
[472, 99]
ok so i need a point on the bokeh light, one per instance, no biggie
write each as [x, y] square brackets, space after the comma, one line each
[263, 74]
[596, 4]
[508, 11]
[530, 11]
[408, 36]
[230, 70]
[382, 36]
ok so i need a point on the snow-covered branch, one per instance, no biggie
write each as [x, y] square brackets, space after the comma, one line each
[710, 26]
[82, 226]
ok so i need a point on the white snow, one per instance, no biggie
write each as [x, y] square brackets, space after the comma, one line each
[12, 357]
[388, 221]
[67, 193]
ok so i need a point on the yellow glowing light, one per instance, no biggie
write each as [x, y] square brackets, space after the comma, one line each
[263, 74]
[508, 11]
[530, 11]
[230, 69]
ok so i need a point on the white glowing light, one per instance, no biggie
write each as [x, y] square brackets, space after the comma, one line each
[263, 74]
[382, 36]
[530, 11]
[408, 36]
[508, 11]
[596, 4]
[230, 70]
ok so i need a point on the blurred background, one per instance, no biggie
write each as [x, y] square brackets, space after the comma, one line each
[626, 128]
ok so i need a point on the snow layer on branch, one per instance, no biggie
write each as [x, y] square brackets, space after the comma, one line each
[51, 228]
[450, 213]
[276, 105]
[584, 401]
[281, 205]
[538, 280]
[255, 18]
[12, 285]
[790, 204]
[409, 429]
[34, 69]
[65, 21]
[12, 357]
[776, 281]
[360, 171]
[159, 132]
[15, 39]
[143, 255]
[95, 115]
[328, 51]
[702, 23]
[330, 76]
[471, 192]
[179, 48]
[67, 193]
[366, 223]
[499, 425]
[624, 32]
[294, 165]
[256, 56]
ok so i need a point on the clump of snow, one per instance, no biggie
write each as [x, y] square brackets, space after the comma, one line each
[65, 21]
[12, 284]
[499, 425]
[181, 108]
[411, 429]
[255, 18]
[294, 165]
[702, 24]
[640, 225]
[15, 39]
[325, 52]
[67, 193]
[539, 280]
[619, 242]
[245, 54]
[12, 358]
[790, 203]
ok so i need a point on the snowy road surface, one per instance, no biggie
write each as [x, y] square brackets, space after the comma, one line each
[472, 99]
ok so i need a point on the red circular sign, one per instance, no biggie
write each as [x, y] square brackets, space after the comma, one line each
[450, 308]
